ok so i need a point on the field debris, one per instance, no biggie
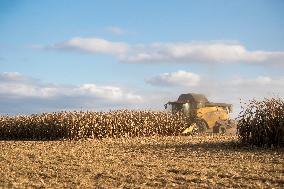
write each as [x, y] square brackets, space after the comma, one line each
[201, 161]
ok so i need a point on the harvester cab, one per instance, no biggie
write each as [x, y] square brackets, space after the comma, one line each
[205, 116]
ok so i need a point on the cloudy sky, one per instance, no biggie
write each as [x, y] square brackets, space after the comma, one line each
[101, 55]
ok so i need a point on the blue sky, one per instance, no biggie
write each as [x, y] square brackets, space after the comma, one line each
[61, 54]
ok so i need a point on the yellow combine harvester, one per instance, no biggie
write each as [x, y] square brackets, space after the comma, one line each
[203, 114]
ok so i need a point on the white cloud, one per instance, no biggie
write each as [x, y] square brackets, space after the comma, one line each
[92, 45]
[211, 52]
[204, 52]
[33, 95]
[13, 76]
[116, 30]
[242, 89]
[179, 78]
[111, 93]
[259, 81]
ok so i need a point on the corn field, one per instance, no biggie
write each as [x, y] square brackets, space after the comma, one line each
[79, 124]
[261, 123]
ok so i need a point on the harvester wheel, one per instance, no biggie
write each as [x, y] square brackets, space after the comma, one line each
[201, 126]
[218, 128]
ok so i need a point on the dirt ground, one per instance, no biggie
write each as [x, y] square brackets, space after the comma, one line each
[209, 161]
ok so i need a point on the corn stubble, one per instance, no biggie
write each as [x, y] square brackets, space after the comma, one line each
[261, 123]
[78, 125]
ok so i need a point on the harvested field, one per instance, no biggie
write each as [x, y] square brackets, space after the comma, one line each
[208, 161]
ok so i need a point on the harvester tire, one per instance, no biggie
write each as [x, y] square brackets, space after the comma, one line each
[219, 129]
[201, 126]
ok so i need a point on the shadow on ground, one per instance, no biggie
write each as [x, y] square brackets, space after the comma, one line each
[225, 146]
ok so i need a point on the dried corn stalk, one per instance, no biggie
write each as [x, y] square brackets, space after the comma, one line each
[261, 123]
[77, 125]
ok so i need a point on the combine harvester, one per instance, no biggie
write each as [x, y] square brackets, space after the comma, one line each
[205, 116]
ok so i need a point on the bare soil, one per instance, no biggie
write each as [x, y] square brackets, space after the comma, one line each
[208, 161]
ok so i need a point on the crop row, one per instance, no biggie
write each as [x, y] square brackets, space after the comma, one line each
[79, 124]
